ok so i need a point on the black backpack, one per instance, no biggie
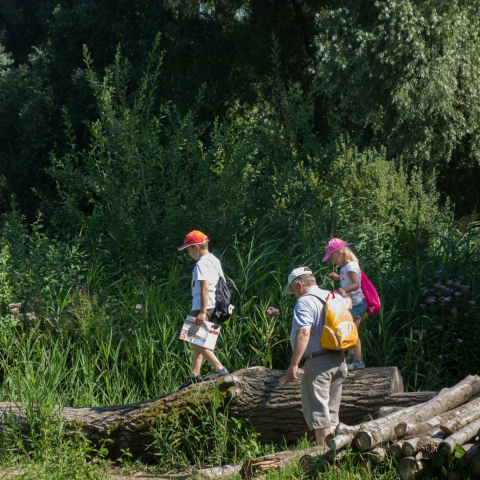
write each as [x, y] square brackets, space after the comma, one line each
[223, 301]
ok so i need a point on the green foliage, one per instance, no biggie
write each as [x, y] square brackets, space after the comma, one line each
[407, 71]
[33, 263]
[142, 175]
[377, 206]
[208, 438]
[49, 451]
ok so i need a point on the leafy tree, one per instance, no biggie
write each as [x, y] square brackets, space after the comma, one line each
[407, 74]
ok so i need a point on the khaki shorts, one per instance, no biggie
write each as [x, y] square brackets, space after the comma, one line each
[322, 390]
[210, 313]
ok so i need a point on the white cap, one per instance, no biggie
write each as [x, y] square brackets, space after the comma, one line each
[296, 272]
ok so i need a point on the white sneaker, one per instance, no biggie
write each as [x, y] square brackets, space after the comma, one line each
[356, 364]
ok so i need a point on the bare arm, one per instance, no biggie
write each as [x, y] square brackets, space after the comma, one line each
[204, 292]
[355, 282]
[341, 292]
[301, 342]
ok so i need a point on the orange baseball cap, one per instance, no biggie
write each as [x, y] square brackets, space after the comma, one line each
[195, 237]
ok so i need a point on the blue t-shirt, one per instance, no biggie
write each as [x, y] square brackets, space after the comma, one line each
[307, 315]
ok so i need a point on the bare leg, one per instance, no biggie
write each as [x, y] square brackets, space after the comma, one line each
[357, 351]
[320, 435]
[197, 359]
[209, 356]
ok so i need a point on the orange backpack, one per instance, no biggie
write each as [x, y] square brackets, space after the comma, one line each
[339, 331]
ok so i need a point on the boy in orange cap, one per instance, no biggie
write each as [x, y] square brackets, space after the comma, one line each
[204, 280]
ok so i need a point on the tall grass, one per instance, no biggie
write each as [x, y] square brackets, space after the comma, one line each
[114, 340]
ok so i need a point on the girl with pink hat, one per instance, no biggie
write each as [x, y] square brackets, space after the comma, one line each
[351, 281]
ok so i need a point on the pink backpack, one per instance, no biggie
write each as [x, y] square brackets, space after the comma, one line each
[371, 296]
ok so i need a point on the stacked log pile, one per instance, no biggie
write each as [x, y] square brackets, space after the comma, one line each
[448, 422]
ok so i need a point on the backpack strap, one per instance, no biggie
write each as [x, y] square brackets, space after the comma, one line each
[215, 268]
[324, 303]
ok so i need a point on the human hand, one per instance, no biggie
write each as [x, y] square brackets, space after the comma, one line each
[200, 319]
[292, 373]
[333, 276]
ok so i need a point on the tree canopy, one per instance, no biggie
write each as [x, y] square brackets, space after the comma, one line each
[264, 89]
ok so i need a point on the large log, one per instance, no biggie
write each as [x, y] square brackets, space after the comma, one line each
[258, 395]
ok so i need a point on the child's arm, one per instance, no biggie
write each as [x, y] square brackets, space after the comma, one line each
[355, 282]
[334, 276]
[341, 292]
[204, 291]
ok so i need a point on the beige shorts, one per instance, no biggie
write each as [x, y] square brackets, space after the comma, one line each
[322, 390]
[210, 313]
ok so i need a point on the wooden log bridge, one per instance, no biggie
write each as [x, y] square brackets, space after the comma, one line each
[259, 395]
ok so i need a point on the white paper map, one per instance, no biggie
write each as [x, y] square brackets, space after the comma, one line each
[205, 335]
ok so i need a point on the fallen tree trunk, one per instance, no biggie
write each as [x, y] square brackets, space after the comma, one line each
[399, 401]
[258, 395]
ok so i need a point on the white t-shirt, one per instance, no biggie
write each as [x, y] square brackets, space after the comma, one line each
[356, 295]
[207, 268]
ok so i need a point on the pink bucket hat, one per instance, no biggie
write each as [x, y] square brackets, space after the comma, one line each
[333, 245]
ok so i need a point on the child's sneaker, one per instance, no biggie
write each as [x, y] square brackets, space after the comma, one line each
[356, 365]
[190, 380]
[349, 359]
[217, 373]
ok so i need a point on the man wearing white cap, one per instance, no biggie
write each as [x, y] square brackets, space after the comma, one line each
[324, 370]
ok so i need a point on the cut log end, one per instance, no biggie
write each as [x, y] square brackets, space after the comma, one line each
[401, 429]
[363, 441]
[446, 447]
[412, 468]
[409, 447]
[396, 449]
